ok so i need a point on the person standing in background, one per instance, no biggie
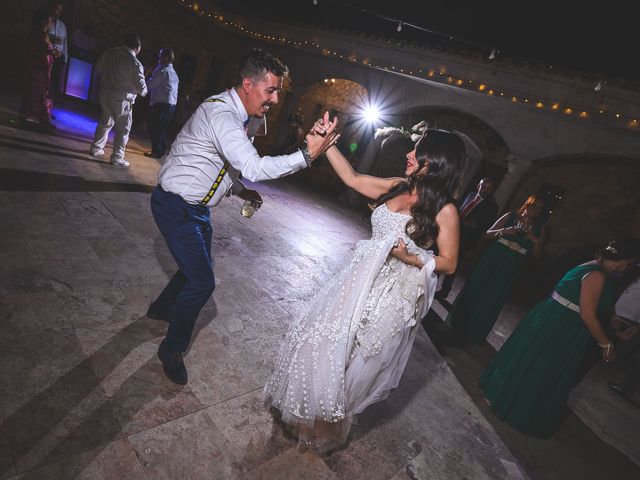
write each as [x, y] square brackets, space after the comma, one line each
[163, 87]
[36, 99]
[58, 39]
[517, 234]
[121, 81]
[477, 213]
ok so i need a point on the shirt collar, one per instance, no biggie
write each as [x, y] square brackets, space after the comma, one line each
[243, 112]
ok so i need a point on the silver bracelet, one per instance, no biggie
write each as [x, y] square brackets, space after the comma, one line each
[307, 157]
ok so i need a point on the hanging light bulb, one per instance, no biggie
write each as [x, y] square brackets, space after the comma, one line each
[399, 26]
[492, 55]
[598, 86]
[315, 2]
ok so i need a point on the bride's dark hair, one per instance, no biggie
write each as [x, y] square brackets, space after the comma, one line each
[444, 154]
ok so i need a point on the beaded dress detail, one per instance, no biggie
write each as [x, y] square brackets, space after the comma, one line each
[350, 347]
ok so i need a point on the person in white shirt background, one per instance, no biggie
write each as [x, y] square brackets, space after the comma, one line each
[626, 325]
[121, 81]
[204, 162]
[58, 38]
[163, 96]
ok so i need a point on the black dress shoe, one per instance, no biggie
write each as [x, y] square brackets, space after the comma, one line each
[173, 365]
[156, 315]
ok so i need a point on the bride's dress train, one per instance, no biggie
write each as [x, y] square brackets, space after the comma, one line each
[350, 348]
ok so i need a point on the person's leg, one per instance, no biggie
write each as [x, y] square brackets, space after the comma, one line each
[155, 128]
[104, 126]
[161, 306]
[165, 121]
[445, 288]
[122, 126]
[187, 231]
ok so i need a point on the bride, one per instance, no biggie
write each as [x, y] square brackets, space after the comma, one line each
[351, 346]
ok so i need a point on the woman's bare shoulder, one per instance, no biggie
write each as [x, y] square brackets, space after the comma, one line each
[449, 211]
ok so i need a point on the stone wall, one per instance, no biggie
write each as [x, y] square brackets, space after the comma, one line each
[601, 200]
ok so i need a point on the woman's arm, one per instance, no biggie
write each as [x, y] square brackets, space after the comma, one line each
[497, 229]
[590, 293]
[367, 185]
[448, 240]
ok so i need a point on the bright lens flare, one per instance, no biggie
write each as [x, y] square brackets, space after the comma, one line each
[371, 114]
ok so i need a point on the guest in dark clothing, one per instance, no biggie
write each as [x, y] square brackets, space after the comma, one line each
[36, 100]
[477, 213]
[163, 86]
[529, 380]
[625, 324]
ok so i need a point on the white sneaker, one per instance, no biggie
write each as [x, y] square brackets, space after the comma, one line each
[119, 162]
[96, 153]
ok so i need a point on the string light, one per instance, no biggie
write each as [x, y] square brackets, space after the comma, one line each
[631, 123]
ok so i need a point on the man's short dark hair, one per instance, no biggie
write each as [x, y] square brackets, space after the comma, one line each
[132, 41]
[257, 63]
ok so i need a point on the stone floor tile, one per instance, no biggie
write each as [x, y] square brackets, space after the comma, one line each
[249, 430]
[292, 465]
[114, 461]
[190, 447]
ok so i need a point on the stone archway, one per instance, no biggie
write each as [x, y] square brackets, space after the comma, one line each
[600, 199]
[340, 97]
[391, 161]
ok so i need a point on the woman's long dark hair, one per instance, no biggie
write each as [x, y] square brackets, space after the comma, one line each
[444, 154]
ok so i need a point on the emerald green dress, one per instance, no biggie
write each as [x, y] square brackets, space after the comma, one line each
[529, 380]
[478, 304]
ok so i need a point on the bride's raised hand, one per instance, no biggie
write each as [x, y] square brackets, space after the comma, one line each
[323, 126]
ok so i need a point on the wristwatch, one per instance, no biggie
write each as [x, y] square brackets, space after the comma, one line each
[305, 154]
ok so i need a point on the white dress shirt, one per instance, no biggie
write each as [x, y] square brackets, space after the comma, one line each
[163, 85]
[628, 305]
[215, 133]
[58, 37]
[121, 73]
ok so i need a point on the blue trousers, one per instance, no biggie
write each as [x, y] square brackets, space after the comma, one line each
[187, 230]
[161, 115]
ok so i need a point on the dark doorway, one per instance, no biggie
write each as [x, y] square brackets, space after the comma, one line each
[214, 77]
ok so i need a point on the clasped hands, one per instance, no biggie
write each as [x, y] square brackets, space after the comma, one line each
[322, 135]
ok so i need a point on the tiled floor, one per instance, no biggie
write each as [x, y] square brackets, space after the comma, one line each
[82, 393]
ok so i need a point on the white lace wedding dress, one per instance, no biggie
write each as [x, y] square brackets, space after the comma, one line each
[351, 346]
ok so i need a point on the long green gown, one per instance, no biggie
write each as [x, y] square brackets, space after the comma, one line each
[478, 304]
[530, 378]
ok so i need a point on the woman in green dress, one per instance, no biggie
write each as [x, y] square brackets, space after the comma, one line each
[478, 305]
[528, 382]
